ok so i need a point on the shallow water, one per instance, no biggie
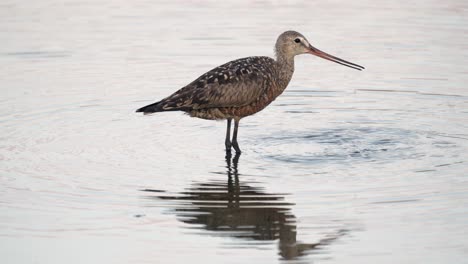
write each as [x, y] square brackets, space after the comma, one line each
[345, 166]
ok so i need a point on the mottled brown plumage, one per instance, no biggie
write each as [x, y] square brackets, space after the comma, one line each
[241, 87]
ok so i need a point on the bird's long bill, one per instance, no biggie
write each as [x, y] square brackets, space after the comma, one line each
[329, 57]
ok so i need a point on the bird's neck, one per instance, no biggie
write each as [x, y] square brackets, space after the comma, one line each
[285, 66]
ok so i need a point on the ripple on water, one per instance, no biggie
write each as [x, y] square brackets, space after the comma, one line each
[351, 144]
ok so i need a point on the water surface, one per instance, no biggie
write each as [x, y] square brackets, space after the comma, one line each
[344, 167]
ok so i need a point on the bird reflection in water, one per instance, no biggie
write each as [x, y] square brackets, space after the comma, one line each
[238, 210]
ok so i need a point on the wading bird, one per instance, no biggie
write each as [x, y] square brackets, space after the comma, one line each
[241, 87]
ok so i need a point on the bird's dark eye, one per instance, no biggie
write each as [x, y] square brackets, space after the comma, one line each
[297, 40]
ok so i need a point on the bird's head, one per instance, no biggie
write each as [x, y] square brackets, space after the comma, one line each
[292, 43]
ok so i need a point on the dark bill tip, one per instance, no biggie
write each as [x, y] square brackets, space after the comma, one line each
[329, 57]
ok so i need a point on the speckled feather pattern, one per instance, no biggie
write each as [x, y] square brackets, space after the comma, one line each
[233, 90]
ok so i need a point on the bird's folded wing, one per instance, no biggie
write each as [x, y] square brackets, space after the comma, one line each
[234, 84]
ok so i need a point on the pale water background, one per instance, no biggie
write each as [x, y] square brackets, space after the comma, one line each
[344, 167]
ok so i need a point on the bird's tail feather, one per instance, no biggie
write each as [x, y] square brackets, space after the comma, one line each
[161, 106]
[152, 108]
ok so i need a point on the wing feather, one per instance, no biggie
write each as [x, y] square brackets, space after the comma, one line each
[236, 83]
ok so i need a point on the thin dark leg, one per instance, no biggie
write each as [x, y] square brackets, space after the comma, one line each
[227, 142]
[234, 137]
